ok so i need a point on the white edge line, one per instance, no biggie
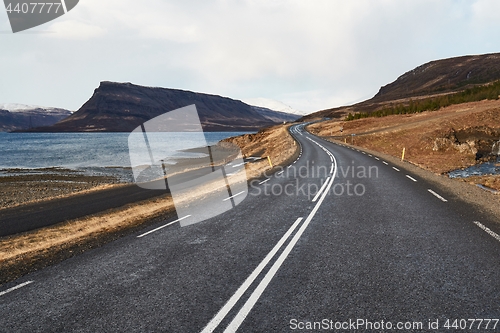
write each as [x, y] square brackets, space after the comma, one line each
[437, 195]
[212, 325]
[247, 307]
[15, 287]
[163, 226]
[321, 190]
[488, 230]
[233, 196]
[411, 178]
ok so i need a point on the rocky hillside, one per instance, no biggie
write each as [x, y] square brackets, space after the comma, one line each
[431, 79]
[16, 117]
[121, 107]
[443, 76]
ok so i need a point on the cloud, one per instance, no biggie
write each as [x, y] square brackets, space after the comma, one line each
[318, 54]
[75, 30]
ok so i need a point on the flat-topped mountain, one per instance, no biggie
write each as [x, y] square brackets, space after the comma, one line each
[121, 107]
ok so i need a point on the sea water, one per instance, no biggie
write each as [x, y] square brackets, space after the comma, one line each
[91, 153]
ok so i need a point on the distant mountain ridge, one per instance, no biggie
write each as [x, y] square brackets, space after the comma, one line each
[273, 105]
[121, 107]
[432, 78]
[18, 117]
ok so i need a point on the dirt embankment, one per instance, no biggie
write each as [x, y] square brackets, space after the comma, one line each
[275, 142]
[452, 138]
[23, 253]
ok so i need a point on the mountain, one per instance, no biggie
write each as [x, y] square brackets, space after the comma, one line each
[15, 117]
[275, 116]
[441, 76]
[121, 107]
[273, 105]
[433, 78]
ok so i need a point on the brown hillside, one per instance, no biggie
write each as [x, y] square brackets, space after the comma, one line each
[433, 78]
[455, 137]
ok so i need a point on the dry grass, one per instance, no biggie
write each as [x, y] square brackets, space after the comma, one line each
[68, 234]
[274, 142]
[21, 253]
[417, 133]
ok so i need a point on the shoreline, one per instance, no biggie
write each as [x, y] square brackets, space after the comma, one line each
[28, 186]
[23, 253]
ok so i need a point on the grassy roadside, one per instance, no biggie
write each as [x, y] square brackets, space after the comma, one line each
[434, 142]
[452, 138]
[30, 251]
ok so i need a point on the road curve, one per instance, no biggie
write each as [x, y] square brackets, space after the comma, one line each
[376, 244]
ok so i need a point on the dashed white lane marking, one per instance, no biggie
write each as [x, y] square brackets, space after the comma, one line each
[262, 182]
[488, 230]
[320, 190]
[15, 288]
[396, 169]
[212, 325]
[370, 155]
[437, 195]
[363, 152]
[410, 177]
[378, 159]
[279, 173]
[331, 169]
[163, 226]
[247, 307]
[229, 198]
[385, 162]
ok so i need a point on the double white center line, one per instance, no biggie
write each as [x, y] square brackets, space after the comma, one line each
[249, 304]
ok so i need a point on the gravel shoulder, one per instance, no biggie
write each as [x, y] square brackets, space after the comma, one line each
[29, 251]
[482, 200]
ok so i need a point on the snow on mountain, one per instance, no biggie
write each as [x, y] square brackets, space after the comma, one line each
[15, 107]
[273, 105]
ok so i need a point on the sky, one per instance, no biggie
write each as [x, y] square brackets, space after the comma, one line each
[309, 54]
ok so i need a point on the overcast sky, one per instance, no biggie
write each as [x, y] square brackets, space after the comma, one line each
[309, 54]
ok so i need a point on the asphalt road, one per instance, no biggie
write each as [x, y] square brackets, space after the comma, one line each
[378, 246]
[41, 214]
